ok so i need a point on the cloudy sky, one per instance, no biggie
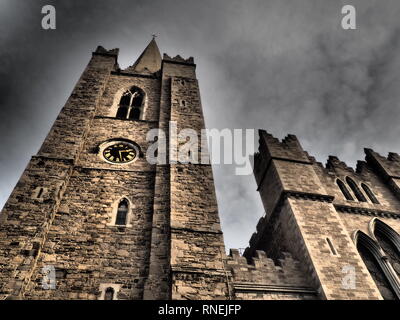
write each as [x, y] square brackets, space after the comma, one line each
[286, 66]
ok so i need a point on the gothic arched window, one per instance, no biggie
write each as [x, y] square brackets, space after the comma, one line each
[389, 240]
[369, 252]
[122, 213]
[109, 294]
[357, 192]
[131, 104]
[369, 193]
[344, 190]
[135, 113]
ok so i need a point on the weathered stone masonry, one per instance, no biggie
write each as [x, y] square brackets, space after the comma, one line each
[62, 212]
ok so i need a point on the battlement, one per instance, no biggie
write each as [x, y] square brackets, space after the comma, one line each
[389, 166]
[262, 274]
[333, 162]
[178, 59]
[102, 51]
[271, 148]
[289, 148]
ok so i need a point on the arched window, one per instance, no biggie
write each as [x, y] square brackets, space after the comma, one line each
[109, 294]
[357, 192]
[122, 213]
[131, 104]
[369, 193]
[135, 114]
[126, 99]
[389, 240]
[344, 190]
[369, 252]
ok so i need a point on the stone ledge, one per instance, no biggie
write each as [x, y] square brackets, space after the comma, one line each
[178, 229]
[251, 287]
[367, 211]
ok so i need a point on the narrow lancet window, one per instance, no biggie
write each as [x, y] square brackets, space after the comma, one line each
[344, 190]
[109, 294]
[357, 192]
[331, 247]
[122, 213]
[369, 193]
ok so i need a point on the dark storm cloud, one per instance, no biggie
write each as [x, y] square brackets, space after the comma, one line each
[286, 66]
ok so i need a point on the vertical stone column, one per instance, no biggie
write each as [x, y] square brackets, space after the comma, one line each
[185, 207]
[158, 283]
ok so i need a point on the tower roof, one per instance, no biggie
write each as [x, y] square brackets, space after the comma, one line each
[150, 59]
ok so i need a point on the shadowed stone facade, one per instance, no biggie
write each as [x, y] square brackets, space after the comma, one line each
[64, 211]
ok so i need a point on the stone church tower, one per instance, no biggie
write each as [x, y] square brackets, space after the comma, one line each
[92, 218]
[91, 210]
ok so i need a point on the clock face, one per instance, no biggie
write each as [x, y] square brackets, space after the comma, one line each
[120, 152]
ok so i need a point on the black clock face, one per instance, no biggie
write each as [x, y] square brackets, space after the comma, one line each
[120, 152]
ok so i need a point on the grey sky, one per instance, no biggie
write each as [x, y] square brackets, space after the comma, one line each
[286, 66]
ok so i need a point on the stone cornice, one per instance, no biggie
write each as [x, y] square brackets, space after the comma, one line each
[190, 270]
[251, 287]
[308, 196]
[367, 211]
[180, 229]
[135, 75]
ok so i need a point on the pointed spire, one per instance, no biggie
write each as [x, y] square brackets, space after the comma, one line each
[150, 59]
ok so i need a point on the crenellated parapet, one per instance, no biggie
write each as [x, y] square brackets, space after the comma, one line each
[178, 59]
[102, 51]
[289, 148]
[388, 168]
[334, 163]
[260, 276]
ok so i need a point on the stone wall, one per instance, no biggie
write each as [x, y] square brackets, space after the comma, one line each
[303, 216]
[85, 249]
[263, 279]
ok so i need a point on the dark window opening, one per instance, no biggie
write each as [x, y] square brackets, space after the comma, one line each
[40, 193]
[137, 99]
[135, 114]
[357, 192]
[376, 272]
[369, 193]
[344, 190]
[125, 99]
[122, 112]
[131, 104]
[109, 294]
[122, 213]
[333, 250]
[390, 249]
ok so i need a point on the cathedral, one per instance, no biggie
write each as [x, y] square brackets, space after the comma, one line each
[92, 219]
